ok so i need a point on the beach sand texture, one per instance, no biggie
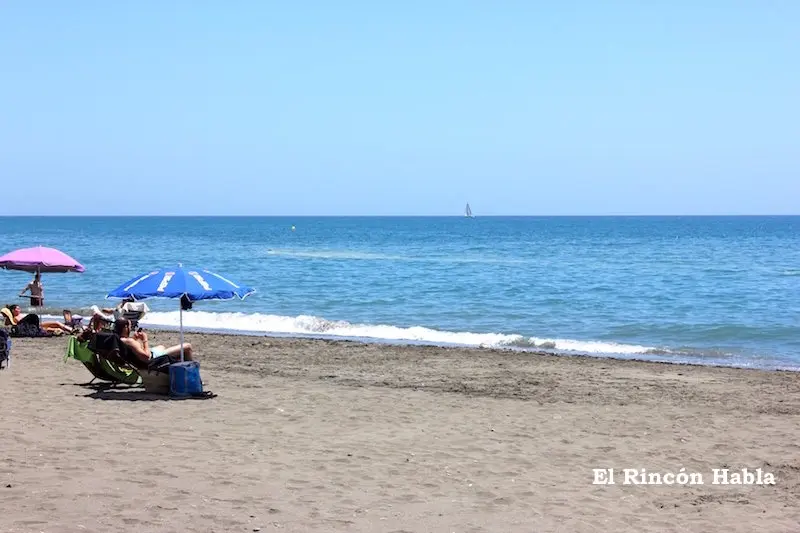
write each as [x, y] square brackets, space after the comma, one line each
[311, 435]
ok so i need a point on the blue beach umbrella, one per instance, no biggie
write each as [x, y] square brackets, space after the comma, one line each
[179, 282]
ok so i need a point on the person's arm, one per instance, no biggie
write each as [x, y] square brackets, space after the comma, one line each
[142, 350]
[145, 342]
[26, 289]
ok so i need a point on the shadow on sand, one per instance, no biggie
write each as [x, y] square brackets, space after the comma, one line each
[134, 393]
[143, 396]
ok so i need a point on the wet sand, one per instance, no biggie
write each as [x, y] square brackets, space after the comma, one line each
[311, 435]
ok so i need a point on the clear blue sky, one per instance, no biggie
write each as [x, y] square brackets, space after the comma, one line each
[415, 107]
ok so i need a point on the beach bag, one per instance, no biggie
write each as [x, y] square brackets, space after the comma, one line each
[184, 379]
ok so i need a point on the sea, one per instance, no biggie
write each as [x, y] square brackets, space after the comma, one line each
[703, 290]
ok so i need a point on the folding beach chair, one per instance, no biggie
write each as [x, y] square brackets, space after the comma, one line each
[71, 320]
[108, 346]
[102, 368]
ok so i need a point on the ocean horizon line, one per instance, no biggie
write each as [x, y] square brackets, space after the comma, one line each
[115, 216]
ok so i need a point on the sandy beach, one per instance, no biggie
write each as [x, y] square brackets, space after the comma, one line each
[310, 435]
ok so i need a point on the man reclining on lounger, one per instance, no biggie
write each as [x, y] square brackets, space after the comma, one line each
[140, 346]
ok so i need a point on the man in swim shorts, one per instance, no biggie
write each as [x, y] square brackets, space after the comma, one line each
[140, 346]
[37, 291]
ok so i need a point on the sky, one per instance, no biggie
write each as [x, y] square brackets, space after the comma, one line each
[199, 107]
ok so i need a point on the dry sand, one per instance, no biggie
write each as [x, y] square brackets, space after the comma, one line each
[335, 436]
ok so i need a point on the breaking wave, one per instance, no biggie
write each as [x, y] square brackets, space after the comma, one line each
[316, 326]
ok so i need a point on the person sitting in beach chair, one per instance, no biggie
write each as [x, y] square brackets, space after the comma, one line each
[29, 325]
[128, 308]
[147, 356]
[120, 357]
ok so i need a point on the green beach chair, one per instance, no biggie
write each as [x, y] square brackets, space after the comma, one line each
[101, 367]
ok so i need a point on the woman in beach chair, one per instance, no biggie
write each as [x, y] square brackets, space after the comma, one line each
[29, 325]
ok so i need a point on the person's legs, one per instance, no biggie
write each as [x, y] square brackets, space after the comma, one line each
[175, 351]
[51, 326]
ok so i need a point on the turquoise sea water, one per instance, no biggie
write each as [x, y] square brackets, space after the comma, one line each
[716, 290]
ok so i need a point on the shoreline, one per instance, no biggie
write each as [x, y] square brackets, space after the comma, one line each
[496, 349]
[648, 354]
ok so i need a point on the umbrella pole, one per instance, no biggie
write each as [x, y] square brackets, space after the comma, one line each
[180, 314]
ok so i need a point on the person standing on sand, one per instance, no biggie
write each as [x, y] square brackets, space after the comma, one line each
[37, 291]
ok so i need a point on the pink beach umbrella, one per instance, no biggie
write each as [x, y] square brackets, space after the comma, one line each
[40, 259]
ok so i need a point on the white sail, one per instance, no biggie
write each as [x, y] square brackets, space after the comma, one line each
[468, 212]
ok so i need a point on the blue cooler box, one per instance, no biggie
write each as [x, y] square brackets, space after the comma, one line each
[184, 379]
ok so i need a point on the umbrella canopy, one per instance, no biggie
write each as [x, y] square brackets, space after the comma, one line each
[40, 259]
[179, 282]
[176, 282]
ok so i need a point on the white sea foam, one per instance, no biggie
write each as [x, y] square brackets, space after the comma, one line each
[316, 326]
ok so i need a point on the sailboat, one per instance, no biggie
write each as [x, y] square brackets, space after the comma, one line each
[468, 212]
